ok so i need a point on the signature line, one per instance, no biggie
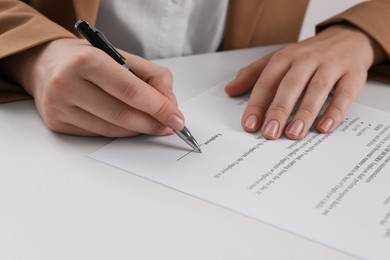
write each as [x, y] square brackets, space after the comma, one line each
[186, 154]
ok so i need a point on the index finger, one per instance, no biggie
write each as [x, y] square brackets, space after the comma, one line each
[155, 75]
[117, 81]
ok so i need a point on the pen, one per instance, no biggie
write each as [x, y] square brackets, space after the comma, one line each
[99, 40]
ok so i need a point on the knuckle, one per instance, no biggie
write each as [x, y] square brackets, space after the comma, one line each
[130, 91]
[358, 69]
[164, 76]
[57, 85]
[159, 73]
[334, 59]
[85, 57]
[165, 73]
[347, 93]
[336, 110]
[313, 55]
[265, 83]
[280, 111]
[320, 84]
[306, 113]
[256, 109]
[123, 116]
[283, 55]
[162, 109]
[56, 81]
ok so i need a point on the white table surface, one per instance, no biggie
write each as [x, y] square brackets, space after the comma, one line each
[55, 203]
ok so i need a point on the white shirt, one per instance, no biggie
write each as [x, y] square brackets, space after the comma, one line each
[163, 28]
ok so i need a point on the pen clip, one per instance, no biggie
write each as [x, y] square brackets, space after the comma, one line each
[104, 38]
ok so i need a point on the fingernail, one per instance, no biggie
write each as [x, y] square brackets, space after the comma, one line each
[251, 122]
[175, 122]
[272, 128]
[327, 124]
[297, 127]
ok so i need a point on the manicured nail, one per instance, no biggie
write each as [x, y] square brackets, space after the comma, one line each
[297, 127]
[251, 122]
[175, 122]
[272, 128]
[327, 124]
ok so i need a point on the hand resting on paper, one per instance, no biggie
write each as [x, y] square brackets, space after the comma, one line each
[338, 57]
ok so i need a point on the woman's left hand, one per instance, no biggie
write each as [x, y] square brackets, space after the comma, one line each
[338, 57]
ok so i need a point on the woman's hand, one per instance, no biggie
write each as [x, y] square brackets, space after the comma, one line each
[78, 89]
[338, 58]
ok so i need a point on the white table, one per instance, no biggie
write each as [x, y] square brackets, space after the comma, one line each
[55, 203]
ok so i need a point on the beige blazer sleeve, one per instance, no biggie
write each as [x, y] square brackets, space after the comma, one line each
[249, 23]
[263, 22]
[22, 28]
[372, 17]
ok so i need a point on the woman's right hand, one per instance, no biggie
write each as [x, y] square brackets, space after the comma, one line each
[80, 90]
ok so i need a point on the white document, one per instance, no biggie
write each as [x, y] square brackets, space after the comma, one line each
[333, 189]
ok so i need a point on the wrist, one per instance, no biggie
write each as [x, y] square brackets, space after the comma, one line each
[367, 45]
[20, 67]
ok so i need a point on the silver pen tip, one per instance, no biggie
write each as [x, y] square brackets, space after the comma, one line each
[189, 139]
[194, 144]
[197, 147]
